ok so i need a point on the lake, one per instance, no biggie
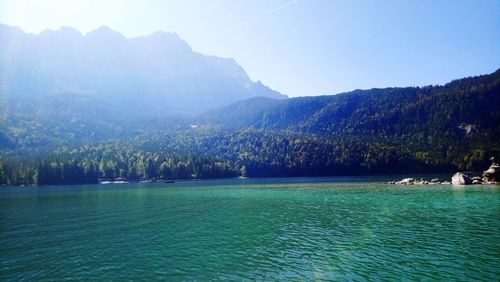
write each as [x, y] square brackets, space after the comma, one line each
[351, 228]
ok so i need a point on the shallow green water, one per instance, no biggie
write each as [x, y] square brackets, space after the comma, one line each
[267, 229]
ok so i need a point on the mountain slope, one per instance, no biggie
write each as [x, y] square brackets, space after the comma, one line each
[472, 102]
[454, 125]
[154, 73]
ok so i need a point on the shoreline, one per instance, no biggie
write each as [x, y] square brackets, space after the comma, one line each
[383, 179]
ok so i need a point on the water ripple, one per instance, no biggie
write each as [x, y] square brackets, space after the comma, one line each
[305, 231]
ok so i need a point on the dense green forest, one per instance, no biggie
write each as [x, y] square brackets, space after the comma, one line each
[63, 139]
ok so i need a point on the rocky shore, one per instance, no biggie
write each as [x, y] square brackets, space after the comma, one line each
[489, 176]
[413, 181]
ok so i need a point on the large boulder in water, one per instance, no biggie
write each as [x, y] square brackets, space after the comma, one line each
[492, 174]
[406, 181]
[460, 179]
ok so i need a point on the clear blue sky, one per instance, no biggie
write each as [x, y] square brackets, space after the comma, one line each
[302, 47]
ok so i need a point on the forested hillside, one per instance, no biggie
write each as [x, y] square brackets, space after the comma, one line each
[390, 111]
[393, 130]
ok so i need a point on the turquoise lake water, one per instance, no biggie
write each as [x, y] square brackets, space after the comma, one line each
[254, 229]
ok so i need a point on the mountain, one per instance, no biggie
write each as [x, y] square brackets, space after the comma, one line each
[81, 135]
[469, 104]
[454, 126]
[148, 74]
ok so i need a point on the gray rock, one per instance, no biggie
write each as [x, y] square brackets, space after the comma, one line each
[492, 174]
[460, 179]
[406, 181]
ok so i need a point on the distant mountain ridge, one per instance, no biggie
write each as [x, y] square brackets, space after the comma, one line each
[157, 73]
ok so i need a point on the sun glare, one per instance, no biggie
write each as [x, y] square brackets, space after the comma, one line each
[61, 9]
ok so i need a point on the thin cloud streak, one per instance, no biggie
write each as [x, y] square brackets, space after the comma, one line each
[265, 14]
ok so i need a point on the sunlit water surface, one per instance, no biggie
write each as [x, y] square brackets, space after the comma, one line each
[254, 229]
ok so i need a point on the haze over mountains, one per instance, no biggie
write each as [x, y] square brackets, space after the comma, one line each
[157, 73]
